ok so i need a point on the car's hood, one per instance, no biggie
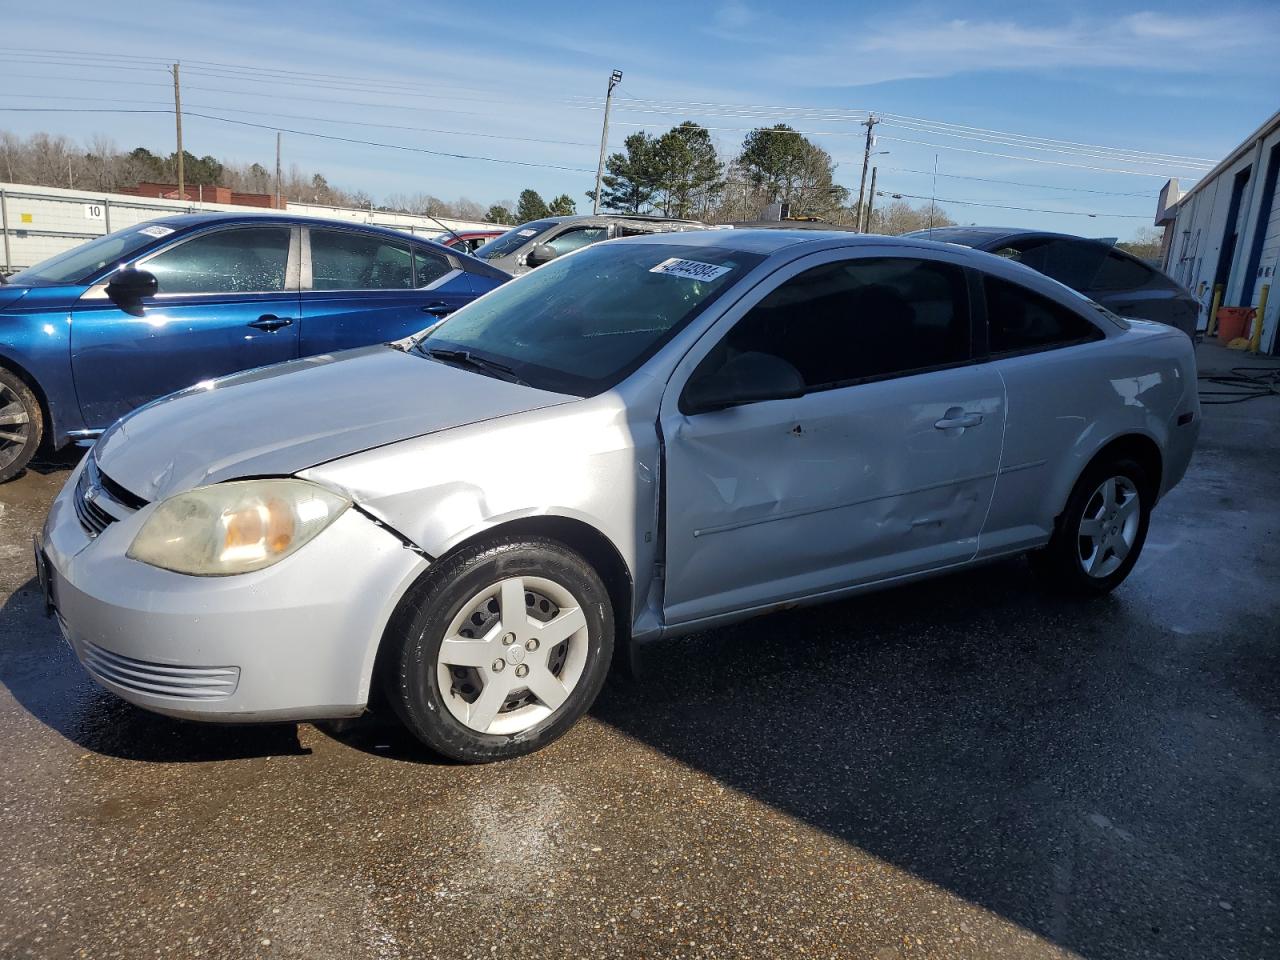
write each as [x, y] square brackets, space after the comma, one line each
[11, 293]
[278, 420]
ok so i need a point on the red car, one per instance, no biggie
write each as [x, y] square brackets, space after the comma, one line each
[468, 241]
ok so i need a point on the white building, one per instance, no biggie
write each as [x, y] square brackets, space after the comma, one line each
[1226, 230]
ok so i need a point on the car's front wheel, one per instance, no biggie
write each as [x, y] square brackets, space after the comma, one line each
[500, 649]
[21, 425]
[1101, 532]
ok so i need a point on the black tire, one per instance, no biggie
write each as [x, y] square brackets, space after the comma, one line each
[16, 454]
[1059, 564]
[411, 648]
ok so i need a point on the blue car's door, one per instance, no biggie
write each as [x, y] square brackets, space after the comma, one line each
[227, 300]
[360, 288]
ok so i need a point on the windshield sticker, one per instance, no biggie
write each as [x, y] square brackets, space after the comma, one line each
[156, 231]
[526, 233]
[690, 269]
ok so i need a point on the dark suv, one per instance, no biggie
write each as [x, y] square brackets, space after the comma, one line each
[1120, 282]
[532, 244]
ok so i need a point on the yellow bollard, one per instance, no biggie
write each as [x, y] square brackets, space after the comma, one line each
[1212, 325]
[1260, 315]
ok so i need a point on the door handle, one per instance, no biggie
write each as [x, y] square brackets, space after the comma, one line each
[958, 419]
[270, 322]
[439, 309]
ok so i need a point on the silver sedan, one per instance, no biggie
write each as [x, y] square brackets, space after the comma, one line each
[644, 438]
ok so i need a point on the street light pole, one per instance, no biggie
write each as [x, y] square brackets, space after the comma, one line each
[615, 78]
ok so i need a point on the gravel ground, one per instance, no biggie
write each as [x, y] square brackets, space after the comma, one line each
[961, 768]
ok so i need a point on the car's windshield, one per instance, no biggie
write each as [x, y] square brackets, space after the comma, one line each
[514, 239]
[82, 262]
[585, 321]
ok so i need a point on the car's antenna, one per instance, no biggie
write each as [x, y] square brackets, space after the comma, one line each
[446, 229]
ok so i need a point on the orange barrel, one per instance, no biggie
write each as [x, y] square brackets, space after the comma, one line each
[1233, 322]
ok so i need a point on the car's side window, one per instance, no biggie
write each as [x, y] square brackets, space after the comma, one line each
[577, 237]
[1073, 262]
[1119, 273]
[429, 266]
[856, 320]
[1020, 320]
[357, 261]
[240, 260]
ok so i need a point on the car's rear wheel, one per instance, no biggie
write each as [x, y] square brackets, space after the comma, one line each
[499, 650]
[1100, 533]
[21, 425]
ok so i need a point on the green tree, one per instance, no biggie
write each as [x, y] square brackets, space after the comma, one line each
[782, 165]
[499, 214]
[204, 170]
[562, 206]
[530, 206]
[146, 164]
[684, 167]
[630, 181]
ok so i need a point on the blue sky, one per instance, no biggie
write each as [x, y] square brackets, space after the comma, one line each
[1118, 82]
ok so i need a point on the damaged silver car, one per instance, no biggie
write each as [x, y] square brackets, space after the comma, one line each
[645, 438]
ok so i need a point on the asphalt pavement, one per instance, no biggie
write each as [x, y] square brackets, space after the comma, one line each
[966, 767]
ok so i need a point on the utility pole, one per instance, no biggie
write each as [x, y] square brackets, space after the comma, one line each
[871, 201]
[870, 124]
[278, 206]
[177, 116]
[615, 78]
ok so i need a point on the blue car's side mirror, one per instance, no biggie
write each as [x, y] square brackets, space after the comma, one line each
[131, 286]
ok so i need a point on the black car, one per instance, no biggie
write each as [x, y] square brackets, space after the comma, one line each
[1120, 282]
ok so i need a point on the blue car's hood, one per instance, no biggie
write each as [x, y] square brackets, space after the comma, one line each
[278, 420]
[11, 293]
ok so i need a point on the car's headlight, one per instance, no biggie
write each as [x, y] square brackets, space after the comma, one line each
[228, 528]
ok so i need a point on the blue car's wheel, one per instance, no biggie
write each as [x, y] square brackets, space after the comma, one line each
[21, 425]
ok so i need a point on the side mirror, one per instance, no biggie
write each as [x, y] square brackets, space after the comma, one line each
[540, 254]
[747, 378]
[131, 286]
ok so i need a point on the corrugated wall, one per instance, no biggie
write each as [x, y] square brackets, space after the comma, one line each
[1201, 227]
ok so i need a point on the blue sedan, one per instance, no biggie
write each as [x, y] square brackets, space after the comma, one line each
[89, 335]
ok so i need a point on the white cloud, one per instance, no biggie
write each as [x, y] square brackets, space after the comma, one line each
[921, 45]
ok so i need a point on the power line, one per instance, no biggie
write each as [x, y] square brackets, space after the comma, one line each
[1010, 156]
[304, 133]
[1001, 206]
[858, 116]
[1020, 183]
[357, 123]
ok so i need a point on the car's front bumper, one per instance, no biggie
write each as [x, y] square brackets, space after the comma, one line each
[294, 641]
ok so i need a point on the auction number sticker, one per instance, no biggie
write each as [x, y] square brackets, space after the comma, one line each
[690, 269]
[156, 231]
[526, 233]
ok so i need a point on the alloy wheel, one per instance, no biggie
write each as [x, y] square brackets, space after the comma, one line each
[512, 655]
[1109, 526]
[15, 426]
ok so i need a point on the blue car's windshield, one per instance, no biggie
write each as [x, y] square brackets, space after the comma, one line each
[514, 239]
[80, 263]
[586, 320]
